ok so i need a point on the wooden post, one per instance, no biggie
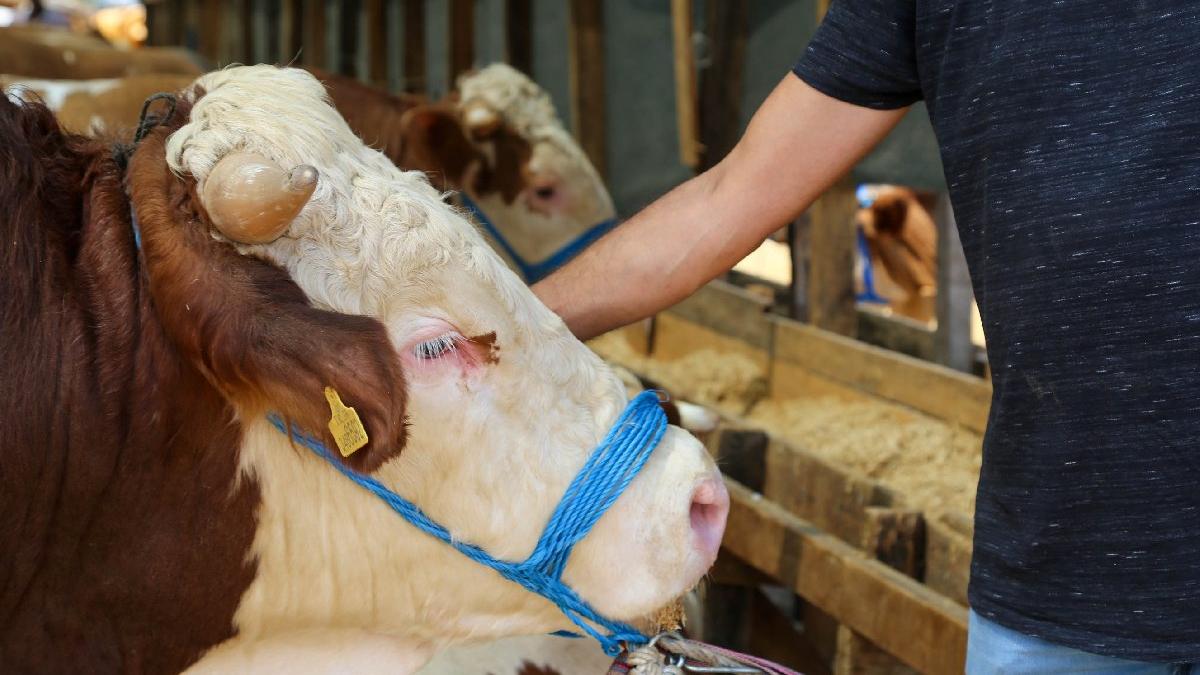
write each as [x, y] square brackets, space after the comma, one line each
[314, 33]
[348, 36]
[831, 264]
[798, 247]
[822, 8]
[721, 81]
[414, 46]
[461, 38]
[211, 22]
[157, 23]
[518, 37]
[376, 30]
[686, 123]
[952, 341]
[586, 64]
[291, 32]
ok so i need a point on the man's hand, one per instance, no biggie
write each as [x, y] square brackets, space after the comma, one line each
[799, 142]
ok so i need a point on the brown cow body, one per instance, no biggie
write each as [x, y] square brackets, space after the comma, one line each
[49, 53]
[126, 526]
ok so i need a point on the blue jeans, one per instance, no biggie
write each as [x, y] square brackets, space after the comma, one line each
[995, 650]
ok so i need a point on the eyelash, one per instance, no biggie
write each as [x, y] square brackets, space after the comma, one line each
[438, 347]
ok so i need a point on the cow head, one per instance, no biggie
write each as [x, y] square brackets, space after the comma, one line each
[503, 404]
[502, 143]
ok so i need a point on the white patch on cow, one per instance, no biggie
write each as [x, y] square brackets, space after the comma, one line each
[537, 228]
[488, 455]
[55, 92]
[508, 656]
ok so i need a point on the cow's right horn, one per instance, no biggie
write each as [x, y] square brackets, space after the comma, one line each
[253, 201]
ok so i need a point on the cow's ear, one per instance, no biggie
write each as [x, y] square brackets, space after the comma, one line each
[436, 142]
[249, 328]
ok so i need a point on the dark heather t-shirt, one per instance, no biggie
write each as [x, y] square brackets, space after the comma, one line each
[1070, 134]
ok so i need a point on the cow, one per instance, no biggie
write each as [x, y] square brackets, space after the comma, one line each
[900, 240]
[105, 107]
[48, 53]
[250, 255]
[498, 140]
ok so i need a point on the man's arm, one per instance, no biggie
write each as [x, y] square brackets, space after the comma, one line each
[799, 142]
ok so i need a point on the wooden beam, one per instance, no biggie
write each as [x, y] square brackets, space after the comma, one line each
[414, 46]
[936, 390]
[906, 619]
[721, 82]
[798, 246]
[831, 294]
[376, 33]
[291, 34]
[157, 23]
[518, 35]
[586, 63]
[952, 341]
[822, 9]
[686, 123]
[461, 38]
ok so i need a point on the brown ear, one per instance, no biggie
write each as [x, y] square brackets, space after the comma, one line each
[436, 142]
[249, 328]
[890, 211]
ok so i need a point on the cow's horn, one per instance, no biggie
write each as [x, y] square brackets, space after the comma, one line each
[251, 200]
[480, 119]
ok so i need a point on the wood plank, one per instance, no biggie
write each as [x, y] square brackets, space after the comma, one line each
[730, 310]
[414, 46]
[687, 124]
[857, 655]
[896, 333]
[952, 341]
[585, 40]
[831, 294]
[291, 31]
[721, 82]
[518, 35]
[935, 390]
[908, 620]
[158, 23]
[896, 538]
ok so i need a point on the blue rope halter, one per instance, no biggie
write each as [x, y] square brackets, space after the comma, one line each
[866, 197]
[534, 272]
[604, 476]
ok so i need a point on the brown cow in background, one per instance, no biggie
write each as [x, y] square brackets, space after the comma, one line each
[902, 239]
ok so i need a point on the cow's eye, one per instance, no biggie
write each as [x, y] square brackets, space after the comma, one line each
[438, 347]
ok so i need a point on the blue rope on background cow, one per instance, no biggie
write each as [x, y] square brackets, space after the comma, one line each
[534, 272]
[866, 196]
[604, 476]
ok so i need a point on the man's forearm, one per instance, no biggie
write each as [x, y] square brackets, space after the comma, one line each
[799, 142]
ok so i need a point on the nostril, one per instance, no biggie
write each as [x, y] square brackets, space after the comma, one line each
[709, 509]
[546, 192]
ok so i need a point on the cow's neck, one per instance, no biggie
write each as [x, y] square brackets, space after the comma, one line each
[124, 526]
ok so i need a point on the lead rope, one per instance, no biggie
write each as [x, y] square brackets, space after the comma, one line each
[672, 654]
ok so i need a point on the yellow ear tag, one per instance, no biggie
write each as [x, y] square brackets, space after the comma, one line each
[344, 424]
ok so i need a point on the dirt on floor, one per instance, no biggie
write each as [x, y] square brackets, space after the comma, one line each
[933, 464]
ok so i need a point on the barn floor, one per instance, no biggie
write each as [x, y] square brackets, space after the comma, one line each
[933, 464]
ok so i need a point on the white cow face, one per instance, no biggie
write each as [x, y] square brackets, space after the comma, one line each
[560, 194]
[504, 407]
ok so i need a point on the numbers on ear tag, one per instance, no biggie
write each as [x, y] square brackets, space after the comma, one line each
[345, 425]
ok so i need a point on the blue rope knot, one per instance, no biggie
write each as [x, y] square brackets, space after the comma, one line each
[534, 272]
[604, 476]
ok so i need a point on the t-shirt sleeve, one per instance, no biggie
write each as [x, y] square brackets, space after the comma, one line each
[864, 53]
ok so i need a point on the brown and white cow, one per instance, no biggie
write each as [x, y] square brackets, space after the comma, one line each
[152, 520]
[902, 239]
[497, 139]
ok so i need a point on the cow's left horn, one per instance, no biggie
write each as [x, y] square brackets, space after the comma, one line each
[251, 200]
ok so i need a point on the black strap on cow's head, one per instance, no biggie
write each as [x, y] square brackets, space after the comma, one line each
[146, 122]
